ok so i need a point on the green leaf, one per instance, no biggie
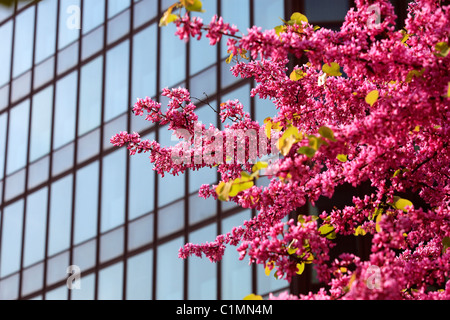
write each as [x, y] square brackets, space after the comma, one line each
[442, 49]
[307, 151]
[372, 97]
[332, 69]
[342, 157]
[327, 133]
[414, 73]
[279, 29]
[223, 190]
[360, 231]
[228, 60]
[401, 204]
[327, 230]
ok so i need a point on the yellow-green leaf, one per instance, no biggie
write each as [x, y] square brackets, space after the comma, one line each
[307, 151]
[332, 69]
[327, 230]
[193, 5]
[300, 268]
[229, 58]
[377, 222]
[360, 231]
[223, 190]
[298, 18]
[296, 75]
[342, 157]
[240, 184]
[372, 97]
[448, 90]
[442, 49]
[414, 73]
[401, 204]
[168, 16]
[290, 136]
[259, 165]
[327, 133]
[253, 296]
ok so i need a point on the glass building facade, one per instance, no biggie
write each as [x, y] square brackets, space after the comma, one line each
[69, 201]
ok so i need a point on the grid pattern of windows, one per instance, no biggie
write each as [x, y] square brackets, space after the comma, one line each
[69, 71]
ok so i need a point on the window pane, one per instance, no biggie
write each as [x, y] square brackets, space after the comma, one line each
[236, 274]
[116, 80]
[57, 267]
[139, 276]
[38, 172]
[202, 272]
[90, 96]
[169, 283]
[60, 293]
[110, 282]
[335, 10]
[3, 120]
[33, 279]
[142, 184]
[235, 12]
[60, 215]
[267, 13]
[93, 14]
[140, 232]
[170, 219]
[15, 184]
[63, 159]
[173, 57]
[18, 137]
[144, 63]
[85, 255]
[87, 290]
[9, 288]
[86, 201]
[65, 109]
[88, 146]
[113, 190]
[201, 209]
[21, 86]
[115, 6]
[23, 42]
[35, 227]
[5, 53]
[68, 19]
[46, 30]
[202, 53]
[118, 26]
[111, 244]
[144, 11]
[41, 123]
[11, 238]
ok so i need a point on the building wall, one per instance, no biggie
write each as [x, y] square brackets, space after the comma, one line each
[68, 198]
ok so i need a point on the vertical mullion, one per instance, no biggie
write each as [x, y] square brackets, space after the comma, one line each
[156, 191]
[13, 19]
[74, 178]
[128, 175]
[51, 150]
[28, 151]
[100, 171]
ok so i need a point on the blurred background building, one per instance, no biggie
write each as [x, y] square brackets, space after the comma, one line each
[70, 71]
